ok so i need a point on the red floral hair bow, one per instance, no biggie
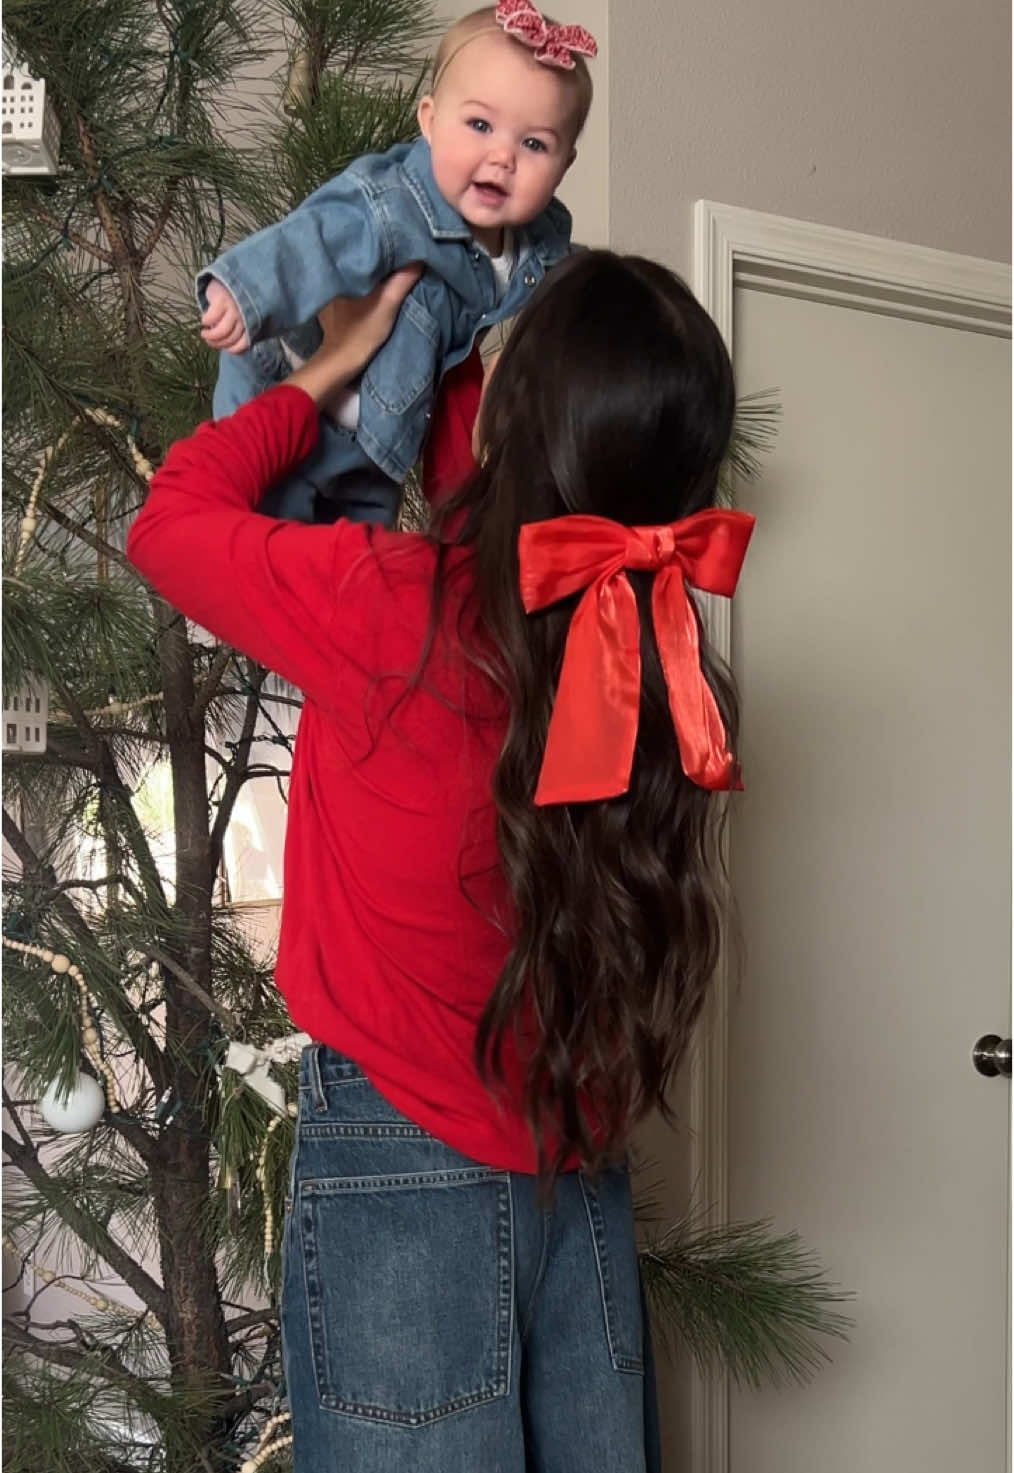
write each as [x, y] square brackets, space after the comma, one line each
[552, 44]
[593, 728]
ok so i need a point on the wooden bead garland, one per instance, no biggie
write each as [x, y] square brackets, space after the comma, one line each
[142, 465]
[268, 1445]
[262, 1182]
[90, 1037]
[97, 1301]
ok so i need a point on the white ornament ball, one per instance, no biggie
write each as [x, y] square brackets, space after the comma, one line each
[79, 1110]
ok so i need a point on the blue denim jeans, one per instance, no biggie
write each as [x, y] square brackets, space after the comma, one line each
[436, 1320]
[334, 480]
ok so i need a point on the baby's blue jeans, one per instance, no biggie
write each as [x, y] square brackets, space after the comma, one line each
[435, 1319]
[336, 479]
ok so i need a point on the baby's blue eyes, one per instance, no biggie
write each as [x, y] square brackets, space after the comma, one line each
[482, 125]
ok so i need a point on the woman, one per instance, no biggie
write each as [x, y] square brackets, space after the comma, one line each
[502, 894]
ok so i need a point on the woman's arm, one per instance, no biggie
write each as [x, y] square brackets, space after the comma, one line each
[267, 587]
[354, 328]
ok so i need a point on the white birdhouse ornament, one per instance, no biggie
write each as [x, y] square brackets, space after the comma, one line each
[26, 711]
[31, 132]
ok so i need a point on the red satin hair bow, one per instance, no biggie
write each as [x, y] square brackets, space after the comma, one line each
[593, 729]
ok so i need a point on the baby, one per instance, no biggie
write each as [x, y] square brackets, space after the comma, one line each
[472, 200]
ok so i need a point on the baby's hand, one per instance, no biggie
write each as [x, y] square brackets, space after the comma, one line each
[221, 322]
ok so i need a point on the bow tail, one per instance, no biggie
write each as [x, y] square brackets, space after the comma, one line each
[700, 731]
[593, 729]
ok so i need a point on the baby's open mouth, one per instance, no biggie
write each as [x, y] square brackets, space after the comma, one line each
[489, 190]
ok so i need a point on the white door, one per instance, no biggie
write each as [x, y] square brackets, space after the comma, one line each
[871, 858]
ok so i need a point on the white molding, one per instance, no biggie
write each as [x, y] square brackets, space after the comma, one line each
[728, 240]
[796, 257]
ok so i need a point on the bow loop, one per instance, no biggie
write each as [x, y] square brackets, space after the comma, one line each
[593, 728]
[564, 554]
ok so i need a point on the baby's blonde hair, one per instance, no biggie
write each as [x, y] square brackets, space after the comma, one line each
[479, 21]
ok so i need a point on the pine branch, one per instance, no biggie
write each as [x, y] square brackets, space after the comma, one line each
[62, 229]
[109, 778]
[236, 772]
[245, 1400]
[81, 533]
[113, 882]
[133, 1029]
[244, 1322]
[95, 1360]
[742, 1298]
[162, 218]
[754, 433]
[92, 1233]
[32, 863]
[122, 250]
[191, 984]
[212, 681]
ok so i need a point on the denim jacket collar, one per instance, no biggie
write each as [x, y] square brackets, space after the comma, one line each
[548, 235]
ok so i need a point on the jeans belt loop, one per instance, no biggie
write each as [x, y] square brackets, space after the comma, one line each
[316, 1083]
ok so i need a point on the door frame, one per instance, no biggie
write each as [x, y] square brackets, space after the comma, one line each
[739, 247]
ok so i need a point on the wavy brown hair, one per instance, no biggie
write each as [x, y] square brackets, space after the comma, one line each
[614, 396]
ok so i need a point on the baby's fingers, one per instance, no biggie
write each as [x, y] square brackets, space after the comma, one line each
[221, 310]
[228, 337]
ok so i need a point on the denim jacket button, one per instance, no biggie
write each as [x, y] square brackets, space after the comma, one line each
[529, 278]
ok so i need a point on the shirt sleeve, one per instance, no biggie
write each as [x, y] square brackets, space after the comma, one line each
[266, 587]
[333, 244]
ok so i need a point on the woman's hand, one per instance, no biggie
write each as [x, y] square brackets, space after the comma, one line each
[354, 328]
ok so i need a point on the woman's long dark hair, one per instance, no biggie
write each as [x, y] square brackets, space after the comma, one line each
[614, 396]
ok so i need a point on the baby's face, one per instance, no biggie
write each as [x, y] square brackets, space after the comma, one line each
[500, 128]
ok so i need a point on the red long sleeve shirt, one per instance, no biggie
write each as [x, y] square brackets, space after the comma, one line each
[389, 943]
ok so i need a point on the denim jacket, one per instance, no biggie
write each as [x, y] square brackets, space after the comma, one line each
[380, 213]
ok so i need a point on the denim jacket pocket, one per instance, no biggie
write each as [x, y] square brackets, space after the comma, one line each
[607, 1201]
[406, 366]
[418, 1259]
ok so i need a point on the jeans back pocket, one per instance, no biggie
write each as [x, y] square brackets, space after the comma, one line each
[409, 1282]
[608, 1203]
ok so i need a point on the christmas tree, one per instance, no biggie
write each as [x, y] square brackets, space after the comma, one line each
[151, 1186]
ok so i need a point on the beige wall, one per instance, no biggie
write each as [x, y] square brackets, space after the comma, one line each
[885, 116]
[889, 118]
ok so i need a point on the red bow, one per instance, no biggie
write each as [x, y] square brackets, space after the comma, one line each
[593, 728]
[552, 44]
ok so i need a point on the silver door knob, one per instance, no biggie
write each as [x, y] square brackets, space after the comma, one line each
[992, 1054]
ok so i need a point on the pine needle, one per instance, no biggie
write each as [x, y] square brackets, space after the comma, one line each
[742, 1298]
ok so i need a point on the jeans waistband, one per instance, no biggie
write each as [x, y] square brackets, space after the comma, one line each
[320, 1065]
